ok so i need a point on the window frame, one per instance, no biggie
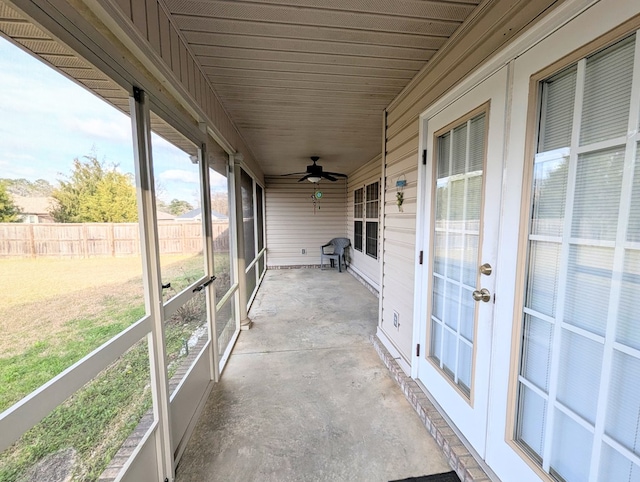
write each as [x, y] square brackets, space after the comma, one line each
[358, 219]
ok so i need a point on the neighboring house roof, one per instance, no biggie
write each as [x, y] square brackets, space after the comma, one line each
[33, 205]
[162, 216]
[197, 214]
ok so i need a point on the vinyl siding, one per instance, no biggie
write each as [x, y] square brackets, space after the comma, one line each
[155, 28]
[492, 27]
[293, 224]
[363, 264]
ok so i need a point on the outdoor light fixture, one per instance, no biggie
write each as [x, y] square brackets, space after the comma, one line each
[314, 179]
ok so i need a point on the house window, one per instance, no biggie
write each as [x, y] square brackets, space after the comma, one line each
[358, 212]
[366, 209]
[578, 407]
[372, 239]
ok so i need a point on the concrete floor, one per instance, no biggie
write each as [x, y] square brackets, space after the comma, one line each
[305, 396]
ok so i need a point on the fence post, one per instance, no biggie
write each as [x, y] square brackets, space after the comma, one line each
[85, 245]
[32, 241]
[111, 238]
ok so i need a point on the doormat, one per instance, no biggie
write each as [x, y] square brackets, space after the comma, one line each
[445, 477]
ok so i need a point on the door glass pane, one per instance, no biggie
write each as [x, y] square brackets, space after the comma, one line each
[439, 250]
[436, 340]
[536, 361]
[623, 418]
[177, 175]
[438, 298]
[458, 202]
[449, 353]
[629, 308]
[531, 429]
[579, 377]
[607, 93]
[465, 354]
[633, 228]
[596, 201]
[588, 286]
[615, 466]
[571, 449]
[544, 266]
[469, 259]
[550, 176]
[559, 99]
[467, 314]
[451, 306]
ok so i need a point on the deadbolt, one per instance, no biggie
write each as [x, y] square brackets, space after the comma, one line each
[482, 295]
[486, 269]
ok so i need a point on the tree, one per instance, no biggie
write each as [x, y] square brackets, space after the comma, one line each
[95, 193]
[24, 187]
[220, 203]
[8, 210]
[178, 207]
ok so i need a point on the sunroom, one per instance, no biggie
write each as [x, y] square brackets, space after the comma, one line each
[482, 158]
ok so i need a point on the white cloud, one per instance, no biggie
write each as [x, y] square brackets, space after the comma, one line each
[102, 128]
[179, 175]
[217, 181]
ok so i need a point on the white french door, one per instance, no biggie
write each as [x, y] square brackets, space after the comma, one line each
[461, 213]
[578, 401]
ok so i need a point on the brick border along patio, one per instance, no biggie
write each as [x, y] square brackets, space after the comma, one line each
[460, 459]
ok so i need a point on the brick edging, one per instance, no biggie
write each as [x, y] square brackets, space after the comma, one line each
[459, 457]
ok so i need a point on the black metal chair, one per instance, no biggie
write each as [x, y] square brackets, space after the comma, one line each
[334, 250]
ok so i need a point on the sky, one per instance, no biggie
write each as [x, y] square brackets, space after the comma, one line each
[47, 120]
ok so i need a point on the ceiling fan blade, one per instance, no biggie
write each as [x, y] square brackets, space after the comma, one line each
[294, 174]
[304, 178]
[336, 174]
[328, 176]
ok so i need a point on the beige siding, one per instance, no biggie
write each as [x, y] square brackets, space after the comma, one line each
[364, 265]
[481, 36]
[155, 28]
[293, 224]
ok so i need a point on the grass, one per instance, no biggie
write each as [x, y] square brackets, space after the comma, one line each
[34, 280]
[23, 373]
[42, 337]
[94, 422]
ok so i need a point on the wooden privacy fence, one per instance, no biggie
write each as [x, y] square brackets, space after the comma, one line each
[89, 240]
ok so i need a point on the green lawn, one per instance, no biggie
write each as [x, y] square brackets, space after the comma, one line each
[99, 417]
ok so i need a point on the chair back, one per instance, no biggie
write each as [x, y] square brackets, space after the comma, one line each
[339, 245]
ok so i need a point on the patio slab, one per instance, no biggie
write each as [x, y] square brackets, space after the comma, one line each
[305, 396]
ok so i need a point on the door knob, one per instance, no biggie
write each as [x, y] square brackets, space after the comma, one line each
[482, 295]
[486, 269]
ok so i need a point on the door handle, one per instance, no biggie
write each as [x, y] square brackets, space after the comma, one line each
[204, 285]
[482, 295]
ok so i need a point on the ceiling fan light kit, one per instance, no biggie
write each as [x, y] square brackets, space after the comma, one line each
[315, 173]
